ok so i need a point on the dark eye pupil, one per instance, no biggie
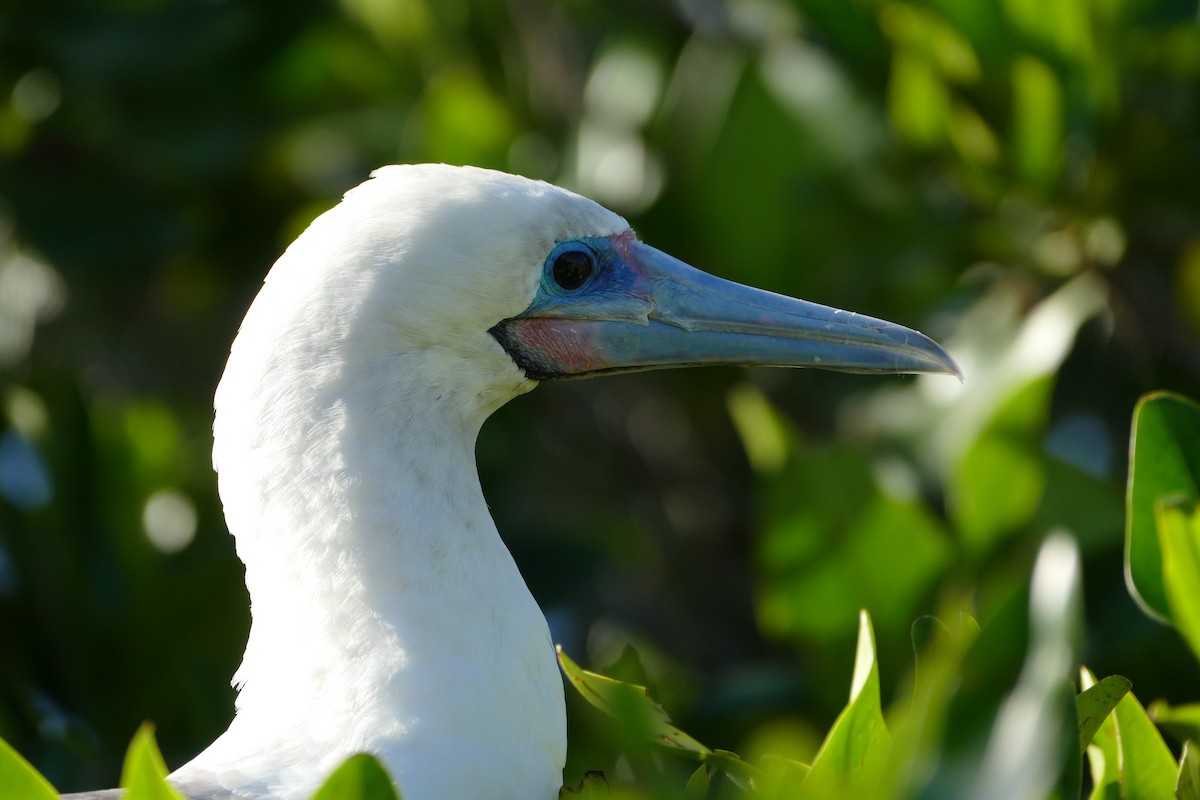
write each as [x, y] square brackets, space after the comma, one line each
[572, 268]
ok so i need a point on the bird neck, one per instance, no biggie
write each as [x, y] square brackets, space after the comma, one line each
[387, 614]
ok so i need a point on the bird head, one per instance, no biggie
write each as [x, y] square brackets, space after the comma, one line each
[498, 282]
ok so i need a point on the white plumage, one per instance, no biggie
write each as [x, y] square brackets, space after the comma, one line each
[388, 616]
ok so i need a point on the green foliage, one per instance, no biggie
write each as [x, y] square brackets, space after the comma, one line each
[631, 704]
[1096, 702]
[854, 750]
[1164, 469]
[361, 777]
[19, 779]
[144, 776]
[1014, 177]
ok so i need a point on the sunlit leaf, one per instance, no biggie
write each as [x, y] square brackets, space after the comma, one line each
[19, 779]
[1187, 783]
[144, 775]
[631, 704]
[1095, 703]
[360, 777]
[1128, 752]
[1164, 462]
[856, 747]
[1103, 751]
[1179, 542]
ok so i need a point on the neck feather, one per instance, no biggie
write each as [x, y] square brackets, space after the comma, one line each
[388, 616]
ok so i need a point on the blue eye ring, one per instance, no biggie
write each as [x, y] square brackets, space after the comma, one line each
[571, 266]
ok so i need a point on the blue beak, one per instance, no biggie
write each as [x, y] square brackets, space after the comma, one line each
[613, 304]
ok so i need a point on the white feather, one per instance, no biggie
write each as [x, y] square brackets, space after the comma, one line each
[388, 616]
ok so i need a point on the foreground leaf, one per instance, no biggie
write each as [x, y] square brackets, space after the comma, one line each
[1095, 703]
[1187, 785]
[1103, 752]
[19, 779]
[1178, 523]
[856, 747]
[360, 777]
[1129, 757]
[144, 775]
[1164, 462]
[630, 703]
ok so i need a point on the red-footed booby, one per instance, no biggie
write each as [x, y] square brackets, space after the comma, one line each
[388, 616]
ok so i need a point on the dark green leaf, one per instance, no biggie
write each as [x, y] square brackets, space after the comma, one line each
[1164, 463]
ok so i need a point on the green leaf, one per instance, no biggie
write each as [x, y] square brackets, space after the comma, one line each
[1131, 755]
[1187, 784]
[1181, 721]
[20, 779]
[1179, 541]
[856, 747]
[360, 777]
[631, 704]
[1095, 703]
[144, 775]
[1164, 462]
[699, 783]
[1103, 752]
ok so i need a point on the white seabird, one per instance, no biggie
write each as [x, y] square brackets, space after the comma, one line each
[388, 616]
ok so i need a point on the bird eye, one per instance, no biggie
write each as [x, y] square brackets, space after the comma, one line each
[572, 268]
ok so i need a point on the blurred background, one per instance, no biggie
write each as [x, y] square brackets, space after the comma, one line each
[1018, 178]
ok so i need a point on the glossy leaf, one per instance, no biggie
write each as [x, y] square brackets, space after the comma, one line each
[1164, 463]
[144, 775]
[856, 747]
[19, 779]
[630, 703]
[1134, 754]
[1103, 752]
[1179, 542]
[360, 777]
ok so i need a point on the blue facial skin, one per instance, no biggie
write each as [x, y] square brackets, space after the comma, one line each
[611, 292]
[613, 304]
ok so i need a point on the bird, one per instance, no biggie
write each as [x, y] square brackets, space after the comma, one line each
[388, 616]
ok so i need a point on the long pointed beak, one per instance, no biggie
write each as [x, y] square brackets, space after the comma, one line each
[643, 309]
